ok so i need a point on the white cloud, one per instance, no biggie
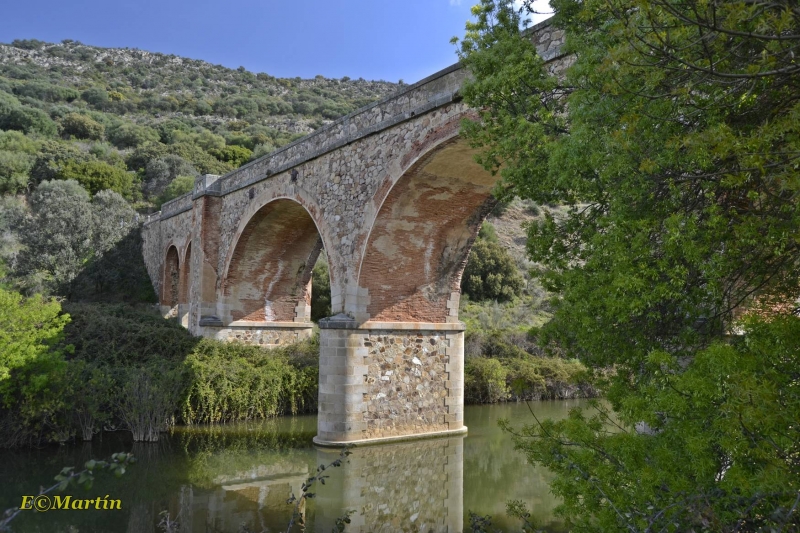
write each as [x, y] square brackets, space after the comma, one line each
[542, 7]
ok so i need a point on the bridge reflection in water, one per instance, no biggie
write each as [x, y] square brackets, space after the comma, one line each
[408, 486]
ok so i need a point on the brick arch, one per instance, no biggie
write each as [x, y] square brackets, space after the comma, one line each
[185, 275]
[421, 237]
[169, 289]
[268, 271]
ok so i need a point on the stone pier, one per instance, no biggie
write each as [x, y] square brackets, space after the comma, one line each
[386, 381]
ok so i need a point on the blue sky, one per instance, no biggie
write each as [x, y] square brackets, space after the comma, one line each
[373, 39]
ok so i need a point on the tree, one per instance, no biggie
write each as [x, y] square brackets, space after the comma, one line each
[178, 187]
[490, 273]
[130, 135]
[161, 172]
[27, 120]
[29, 330]
[97, 176]
[57, 237]
[673, 137]
[82, 127]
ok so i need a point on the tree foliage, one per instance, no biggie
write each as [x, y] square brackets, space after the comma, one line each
[491, 273]
[673, 136]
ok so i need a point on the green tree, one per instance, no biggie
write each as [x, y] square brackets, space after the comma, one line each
[27, 120]
[15, 168]
[30, 328]
[57, 237]
[673, 136]
[179, 186]
[491, 273]
[96, 176]
[130, 135]
[235, 155]
[82, 127]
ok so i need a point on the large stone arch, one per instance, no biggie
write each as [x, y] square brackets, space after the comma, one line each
[267, 276]
[422, 233]
[170, 287]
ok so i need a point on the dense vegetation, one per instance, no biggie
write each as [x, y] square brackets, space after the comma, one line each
[70, 375]
[673, 139]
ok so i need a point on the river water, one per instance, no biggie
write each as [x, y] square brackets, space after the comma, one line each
[235, 478]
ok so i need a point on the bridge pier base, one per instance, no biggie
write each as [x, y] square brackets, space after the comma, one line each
[261, 333]
[389, 381]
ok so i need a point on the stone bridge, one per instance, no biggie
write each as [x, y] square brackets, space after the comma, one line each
[395, 198]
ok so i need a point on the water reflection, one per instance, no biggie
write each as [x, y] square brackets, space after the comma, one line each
[237, 478]
[411, 486]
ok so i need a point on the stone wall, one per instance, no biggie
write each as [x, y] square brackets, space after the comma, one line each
[264, 334]
[383, 381]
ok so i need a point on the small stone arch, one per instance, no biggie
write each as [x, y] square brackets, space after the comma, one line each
[268, 271]
[170, 287]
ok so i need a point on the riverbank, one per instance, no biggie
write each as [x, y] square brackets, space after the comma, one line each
[126, 368]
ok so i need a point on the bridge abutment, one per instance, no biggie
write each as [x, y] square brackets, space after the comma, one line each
[387, 381]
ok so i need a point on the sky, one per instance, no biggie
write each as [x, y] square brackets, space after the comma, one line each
[371, 39]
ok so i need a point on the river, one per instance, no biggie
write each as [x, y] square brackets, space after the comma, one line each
[235, 478]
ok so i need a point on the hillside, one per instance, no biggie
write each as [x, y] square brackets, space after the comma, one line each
[135, 121]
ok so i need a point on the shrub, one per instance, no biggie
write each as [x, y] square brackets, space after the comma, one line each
[96, 176]
[129, 135]
[485, 381]
[82, 127]
[491, 273]
[27, 120]
[179, 186]
[232, 382]
[147, 398]
[15, 168]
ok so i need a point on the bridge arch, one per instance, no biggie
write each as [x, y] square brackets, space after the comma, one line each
[419, 242]
[267, 275]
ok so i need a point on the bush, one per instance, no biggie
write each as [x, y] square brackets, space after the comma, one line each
[27, 120]
[147, 398]
[96, 176]
[179, 186]
[82, 127]
[491, 273]
[485, 381]
[231, 382]
[235, 155]
[15, 168]
[129, 135]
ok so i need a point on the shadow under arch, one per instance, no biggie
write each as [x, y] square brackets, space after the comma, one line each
[268, 272]
[170, 287]
[422, 234]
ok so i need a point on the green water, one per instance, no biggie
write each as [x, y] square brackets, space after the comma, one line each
[236, 478]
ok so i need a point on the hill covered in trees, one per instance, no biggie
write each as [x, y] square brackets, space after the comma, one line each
[105, 112]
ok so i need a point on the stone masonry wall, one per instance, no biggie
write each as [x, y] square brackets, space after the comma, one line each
[261, 336]
[379, 383]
